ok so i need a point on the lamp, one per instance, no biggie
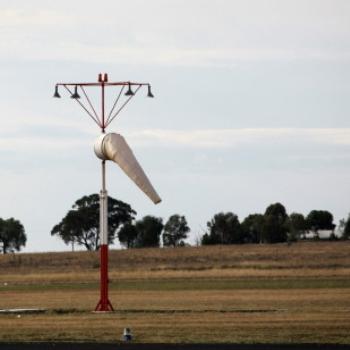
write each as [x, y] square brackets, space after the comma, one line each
[75, 95]
[149, 94]
[56, 94]
[129, 92]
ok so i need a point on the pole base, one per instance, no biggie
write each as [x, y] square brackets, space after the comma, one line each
[104, 306]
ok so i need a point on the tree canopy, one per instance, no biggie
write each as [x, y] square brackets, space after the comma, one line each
[224, 228]
[175, 231]
[297, 225]
[252, 228]
[149, 229]
[81, 224]
[127, 235]
[320, 220]
[345, 227]
[12, 235]
[275, 226]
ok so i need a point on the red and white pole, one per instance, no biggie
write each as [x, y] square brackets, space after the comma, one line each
[104, 304]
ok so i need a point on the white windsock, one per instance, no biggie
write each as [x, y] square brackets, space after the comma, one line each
[114, 147]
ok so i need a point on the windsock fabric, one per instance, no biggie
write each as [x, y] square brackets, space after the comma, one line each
[115, 148]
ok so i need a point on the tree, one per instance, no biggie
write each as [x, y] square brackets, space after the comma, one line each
[81, 224]
[12, 235]
[209, 239]
[298, 225]
[149, 230]
[252, 228]
[341, 226]
[127, 235]
[224, 228]
[346, 228]
[320, 220]
[275, 225]
[175, 231]
[277, 210]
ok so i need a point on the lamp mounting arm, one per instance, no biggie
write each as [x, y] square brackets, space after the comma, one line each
[102, 83]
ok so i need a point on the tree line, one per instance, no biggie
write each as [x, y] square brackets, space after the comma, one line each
[274, 226]
[80, 226]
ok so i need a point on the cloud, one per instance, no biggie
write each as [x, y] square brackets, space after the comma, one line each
[233, 138]
[13, 17]
[38, 144]
[51, 136]
[197, 57]
[55, 34]
[179, 56]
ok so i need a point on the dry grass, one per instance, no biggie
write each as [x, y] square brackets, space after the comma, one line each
[327, 300]
[211, 327]
[92, 276]
[296, 256]
[279, 293]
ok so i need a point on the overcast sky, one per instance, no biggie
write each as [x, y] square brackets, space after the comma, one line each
[252, 106]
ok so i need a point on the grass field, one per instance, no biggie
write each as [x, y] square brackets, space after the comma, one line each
[247, 294]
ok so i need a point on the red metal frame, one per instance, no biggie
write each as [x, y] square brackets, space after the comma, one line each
[104, 303]
[103, 122]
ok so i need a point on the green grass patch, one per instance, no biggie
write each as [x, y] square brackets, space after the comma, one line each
[191, 284]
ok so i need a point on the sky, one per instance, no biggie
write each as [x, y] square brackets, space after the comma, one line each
[251, 107]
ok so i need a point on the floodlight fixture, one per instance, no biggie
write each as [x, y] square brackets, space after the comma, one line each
[112, 147]
[75, 95]
[129, 92]
[56, 94]
[149, 93]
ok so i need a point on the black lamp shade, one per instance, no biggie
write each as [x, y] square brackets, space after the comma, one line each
[75, 95]
[149, 93]
[129, 92]
[56, 94]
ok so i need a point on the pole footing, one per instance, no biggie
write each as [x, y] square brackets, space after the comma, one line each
[104, 306]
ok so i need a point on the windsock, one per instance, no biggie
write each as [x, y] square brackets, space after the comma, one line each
[113, 147]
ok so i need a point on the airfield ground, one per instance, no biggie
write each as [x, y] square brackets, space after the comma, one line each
[297, 293]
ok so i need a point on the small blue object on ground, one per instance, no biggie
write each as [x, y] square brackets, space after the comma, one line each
[127, 336]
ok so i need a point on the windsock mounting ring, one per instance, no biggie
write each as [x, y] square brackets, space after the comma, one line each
[98, 147]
